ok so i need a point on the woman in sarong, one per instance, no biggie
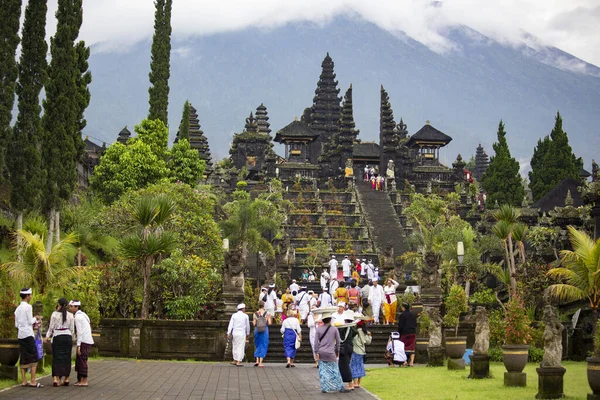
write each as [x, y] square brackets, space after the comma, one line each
[291, 330]
[261, 339]
[390, 302]
[327, 349]
[357, 364]
[60, 332]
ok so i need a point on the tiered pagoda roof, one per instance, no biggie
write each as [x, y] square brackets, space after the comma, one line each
[482, 163]
[197, 139]
[428, 135]
[124, 135]
[296, 130]
[262, 120]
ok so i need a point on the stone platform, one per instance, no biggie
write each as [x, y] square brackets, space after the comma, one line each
[129, 379]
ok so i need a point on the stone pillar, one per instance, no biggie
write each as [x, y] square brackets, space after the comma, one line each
[135, 338]
[436, 356]
[480, 366]
[550, 382]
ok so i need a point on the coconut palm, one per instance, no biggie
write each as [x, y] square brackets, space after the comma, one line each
[248, 226]
[44, 271]
[151, 241]
[580, 271]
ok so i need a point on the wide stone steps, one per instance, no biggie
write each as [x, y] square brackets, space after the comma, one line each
[382, 219]
[375, 350]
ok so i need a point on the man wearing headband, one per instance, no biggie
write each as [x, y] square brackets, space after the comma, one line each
[376, 296]
[346, 268]
[84, 342]
[325, 299]
[294, 286]
[24, 321]
[237, 331]
[333, 265]
[396, 347]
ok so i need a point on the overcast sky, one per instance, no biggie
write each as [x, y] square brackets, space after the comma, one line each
[571, 25]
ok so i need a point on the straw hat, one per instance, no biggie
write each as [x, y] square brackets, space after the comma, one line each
[325, 312]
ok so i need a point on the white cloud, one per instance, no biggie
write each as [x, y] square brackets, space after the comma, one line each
[569, 25]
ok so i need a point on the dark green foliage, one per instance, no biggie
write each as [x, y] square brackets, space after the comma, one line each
[160, 66]
[24, 158]
[184, 125]
[10, 12]
[83, 79]
[185, 163]
[501, 180]
[553, 161]
[62, 106]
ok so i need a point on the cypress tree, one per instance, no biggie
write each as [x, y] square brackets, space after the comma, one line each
[10, 12]
[23, 157]
[184, 125]
[160, 64]
[501, 180]
[62, 112]
[83, 79]
[553, 161]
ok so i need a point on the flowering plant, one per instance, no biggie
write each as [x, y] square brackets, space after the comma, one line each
[517, 329]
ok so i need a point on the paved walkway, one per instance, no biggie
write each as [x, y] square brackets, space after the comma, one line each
[125, 379]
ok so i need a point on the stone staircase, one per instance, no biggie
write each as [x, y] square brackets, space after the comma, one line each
[382, 219]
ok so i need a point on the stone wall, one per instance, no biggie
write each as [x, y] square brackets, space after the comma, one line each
[163, 339]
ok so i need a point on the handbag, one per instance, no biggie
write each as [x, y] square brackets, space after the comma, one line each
[298, 341]
[39, 344]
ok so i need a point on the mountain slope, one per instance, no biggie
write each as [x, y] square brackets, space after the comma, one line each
[464, 93]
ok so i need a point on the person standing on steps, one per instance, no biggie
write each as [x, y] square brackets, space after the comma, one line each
[302, 299]
[270, 303]
[333, 266]
[325, 299]
[390, 301]
[291, 330]
[294, 286]
[346, 269]
[261, 334]
[324, 278]
[376, 297]
[363, 268]
[85, 341]
[367, 310]
[60, 333]
[407, 328]
[24, 322]
[341, 293]
[237, 331]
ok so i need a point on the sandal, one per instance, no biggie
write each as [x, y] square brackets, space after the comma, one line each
[287, 365]
[37, 385]
[80, 384]
[66, 383]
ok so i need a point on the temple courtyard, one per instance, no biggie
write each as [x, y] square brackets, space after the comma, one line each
[131, 379]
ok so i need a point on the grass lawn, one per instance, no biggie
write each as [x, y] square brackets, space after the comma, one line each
[439, 383]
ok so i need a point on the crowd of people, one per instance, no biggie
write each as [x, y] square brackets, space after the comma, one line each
[371, 175]
[338, 319]
[67, 321]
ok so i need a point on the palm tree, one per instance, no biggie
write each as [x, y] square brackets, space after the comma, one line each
[508, 229]
[44, 271]
[151, 241]
[580, 270]
[249, 225]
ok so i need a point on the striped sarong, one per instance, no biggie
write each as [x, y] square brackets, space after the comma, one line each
[329, 376]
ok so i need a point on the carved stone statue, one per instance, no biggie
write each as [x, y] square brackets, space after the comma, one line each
[552, 338]
[390, 172]
[435, 328]
[482, 331]
[270, 268]
[430, 275]
[233, 273]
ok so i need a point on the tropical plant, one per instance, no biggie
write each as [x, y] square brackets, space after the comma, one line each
[44, 271]
[580, 271]
[151, 241]
[456, 303]
[486, 297]
[596, 351]
[248, 226]
[517, 329]
[509, 230]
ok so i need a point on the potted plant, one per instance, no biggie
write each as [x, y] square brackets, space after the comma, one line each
[456, 303]
[516, 336]
[593, 362]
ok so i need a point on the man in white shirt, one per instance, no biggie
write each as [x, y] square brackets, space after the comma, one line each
[294, 287]
[376, 296]
[325, 299]
[396, 346]
[237, 331]
[24, 321]
[333, 266]
[370, 270]
[302, 301]
[346, 268]
[363, 267]
[270, 303]
[84, 342]
[324, 278]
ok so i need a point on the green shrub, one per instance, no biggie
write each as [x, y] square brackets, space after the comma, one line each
[516, 322]
[536, 354]
[596, 351]
[495, 354]
[486, 297]
[423, 321]
[456, 303]
[497, 328]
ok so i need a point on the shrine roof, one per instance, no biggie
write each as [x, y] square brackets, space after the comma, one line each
[296, 130]
[366, 150]
[428, 134]
[556, 197]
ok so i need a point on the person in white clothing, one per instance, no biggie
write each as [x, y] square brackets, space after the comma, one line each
[312, 322]
[237, 331]
[333, 266]
[324, 278]
[325, 299]
[302, 299]
[376, 296]
[346, 268]
[294, 287]
[311, 276]
[24, 322]
[363, 268]
[270, 303]
[85, 342]
[376, 273]
[291, 330]
[370, 270]
[390, 301]
[396, 347]
[60, 334]
[339, 315]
